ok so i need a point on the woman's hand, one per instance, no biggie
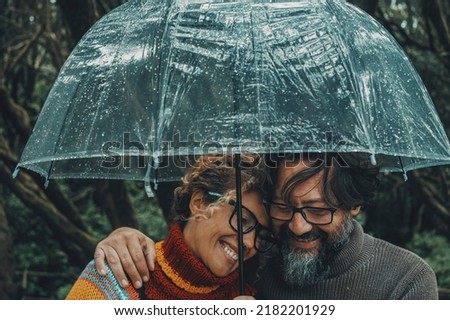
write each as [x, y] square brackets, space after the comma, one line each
[127, 251]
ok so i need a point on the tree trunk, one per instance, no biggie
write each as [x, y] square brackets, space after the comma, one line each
[438, 11]
[8, 290]
[112, 197]
[164, 193]
[82, 14]
[79, 245]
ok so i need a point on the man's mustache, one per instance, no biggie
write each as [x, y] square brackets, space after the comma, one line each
[315, 233]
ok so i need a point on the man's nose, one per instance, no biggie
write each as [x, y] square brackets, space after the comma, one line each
[299, 225]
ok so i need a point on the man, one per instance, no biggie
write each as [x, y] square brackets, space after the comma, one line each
[323, 253]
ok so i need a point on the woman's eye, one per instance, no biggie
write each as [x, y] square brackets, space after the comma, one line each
[246, 218]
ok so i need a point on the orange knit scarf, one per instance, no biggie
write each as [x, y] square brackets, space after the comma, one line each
[180, 275]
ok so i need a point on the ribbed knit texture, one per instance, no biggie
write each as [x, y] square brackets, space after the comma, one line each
[178, 275]
[366, 268]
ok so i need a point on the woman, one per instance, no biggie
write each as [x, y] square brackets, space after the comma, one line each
[198, 259]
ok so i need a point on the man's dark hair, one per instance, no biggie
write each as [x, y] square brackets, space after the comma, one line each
[349, 179]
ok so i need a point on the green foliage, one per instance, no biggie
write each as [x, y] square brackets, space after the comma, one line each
[41, 264]
[361, 217]
[148, 213]
[435, 249]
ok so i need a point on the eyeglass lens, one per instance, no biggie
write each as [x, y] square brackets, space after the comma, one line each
[248, 220]
[264, 237]
[310, 214]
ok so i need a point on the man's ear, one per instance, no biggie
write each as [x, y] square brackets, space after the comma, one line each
[196, 204]
[355, 211]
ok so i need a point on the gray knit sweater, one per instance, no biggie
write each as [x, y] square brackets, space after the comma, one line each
[366, 268]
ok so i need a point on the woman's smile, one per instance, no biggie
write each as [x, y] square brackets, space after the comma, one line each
[229, 251]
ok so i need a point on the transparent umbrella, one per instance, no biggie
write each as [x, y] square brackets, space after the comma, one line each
[155, 83]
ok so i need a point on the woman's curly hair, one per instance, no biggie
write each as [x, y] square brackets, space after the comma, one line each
[218, 174]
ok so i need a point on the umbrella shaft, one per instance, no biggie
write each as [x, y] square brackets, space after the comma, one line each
[239, 215]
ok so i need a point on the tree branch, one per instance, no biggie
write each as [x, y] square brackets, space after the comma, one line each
[436, 13]
[112, 197]
[8, 290]
[369, 6]
[431, 197]
[80, 244]
[32, 195]
[14, 113]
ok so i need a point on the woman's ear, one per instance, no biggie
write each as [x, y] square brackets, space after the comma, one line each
[196, 204]
[355, 211]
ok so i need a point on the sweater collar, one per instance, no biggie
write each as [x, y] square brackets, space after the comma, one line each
[184, 268]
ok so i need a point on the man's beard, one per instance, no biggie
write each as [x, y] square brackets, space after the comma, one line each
[301, 267]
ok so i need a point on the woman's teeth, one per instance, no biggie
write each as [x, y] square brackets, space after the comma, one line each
[230, 252]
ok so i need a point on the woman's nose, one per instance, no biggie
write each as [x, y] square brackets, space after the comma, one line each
[249, 241]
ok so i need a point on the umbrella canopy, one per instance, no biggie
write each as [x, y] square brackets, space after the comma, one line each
[153, 79]
[154, 83]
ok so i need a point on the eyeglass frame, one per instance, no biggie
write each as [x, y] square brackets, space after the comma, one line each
[257, 226]
[299, 210]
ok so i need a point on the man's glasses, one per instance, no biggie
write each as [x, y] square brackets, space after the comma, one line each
[312, 215]
[264, 239]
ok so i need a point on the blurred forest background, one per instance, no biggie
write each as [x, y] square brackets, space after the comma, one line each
[48, 235]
